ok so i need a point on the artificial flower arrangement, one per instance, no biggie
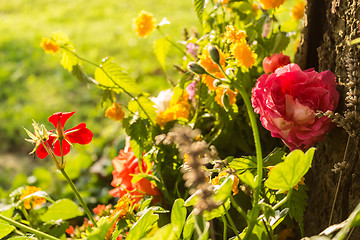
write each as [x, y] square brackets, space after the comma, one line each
[193, 166]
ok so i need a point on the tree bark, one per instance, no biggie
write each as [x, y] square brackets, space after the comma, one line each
[329, 26]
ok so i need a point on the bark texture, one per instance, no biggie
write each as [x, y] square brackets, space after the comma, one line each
[329, 27]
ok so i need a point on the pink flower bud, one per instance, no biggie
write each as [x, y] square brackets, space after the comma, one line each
[270, 64]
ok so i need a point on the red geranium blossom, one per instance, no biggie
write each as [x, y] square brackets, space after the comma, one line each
[79, 134]
[126, 165]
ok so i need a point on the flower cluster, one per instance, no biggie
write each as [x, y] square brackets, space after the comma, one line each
[126, 165]
[31, 201]
[267, 4]
[49, 45]
[287, 101]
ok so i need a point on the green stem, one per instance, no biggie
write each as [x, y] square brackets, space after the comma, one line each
[255, 209]
[284, 200]
[232, 225]
[225, 227]
[174, 44]
[27, 228]
[128, 93]
[236, 206]
[77, 194]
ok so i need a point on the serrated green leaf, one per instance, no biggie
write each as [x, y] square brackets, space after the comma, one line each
[297, 204]
[68, 58]
[161, 49]
[279, 42]
[143, 225]
[62, 209]
[285, 175]
[111, 75]
[147, 109]
[178, 216]
[243, 164]
[5, 229]
[199, 6]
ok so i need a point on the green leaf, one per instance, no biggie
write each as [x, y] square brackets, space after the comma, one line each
[189, 227]
[6, 211]
[297, 204]
[243, 164]
[248, 178]
[111, 75]
[279, 42]
[146, 110]
[178, 216]
[287, 174]
[217, 212]
[5, 229]
[143, 225]
[355, 41]
[68, 58]
[22, 238]
[224, 191]
[62, 209]
[199, 6]
[275, 157]
[161, 49]
[164, 233]
[101, 231]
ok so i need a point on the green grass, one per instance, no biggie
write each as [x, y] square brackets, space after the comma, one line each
[33, 85]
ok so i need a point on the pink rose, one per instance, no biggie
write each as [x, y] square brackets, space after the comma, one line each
[287, 101]
[270, 64]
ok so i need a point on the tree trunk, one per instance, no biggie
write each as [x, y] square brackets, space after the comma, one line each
[329, 27]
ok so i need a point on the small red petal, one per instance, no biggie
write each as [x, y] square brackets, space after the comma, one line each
[60, 117]
[41, 151]
[79, 134]
[65, 147]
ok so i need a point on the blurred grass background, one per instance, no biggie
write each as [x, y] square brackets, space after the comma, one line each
[33, 85]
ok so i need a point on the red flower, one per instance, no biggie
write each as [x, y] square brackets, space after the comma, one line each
[126, 165]
[270, 64]
[99, 209]
[70, 230]
[79, 134]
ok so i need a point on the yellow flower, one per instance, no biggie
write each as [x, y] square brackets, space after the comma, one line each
[32, 201]
[207, 62]
[232, 35]
[123, 207]
[179, 110]
[243, 55]
[267, 4]
[144, 24]
[216, 181]
[219, 93]
[298, 10]
[49, 45]
[115, 112]
[209, 81]
[255, 8]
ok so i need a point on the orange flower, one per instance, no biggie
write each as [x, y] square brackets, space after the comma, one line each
[99, 209]
[123, 207]
[33, 201]
[243, 55]
[232, 35]
[179, 108]
[144, 24]
[207, 62]
[115, 112]
[126, 165]
[49, 45]
[267, 4]
[216, 181]
[255, 8]
[219, 93]
[298, 10]
[224, 1]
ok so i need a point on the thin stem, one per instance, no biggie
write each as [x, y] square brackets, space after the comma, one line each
[267, 230]
[174, 44]
[338, 184]
[236, 206]
[255, 209]
[77, 194]
[232, 225]
[123, 89]
[27, 228]
[225, 227]
[284, 200]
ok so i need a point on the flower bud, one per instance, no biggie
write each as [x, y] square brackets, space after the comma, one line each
[225, 100]
[217, 83]
[275, 61]
[214, 54]
[196, 68]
